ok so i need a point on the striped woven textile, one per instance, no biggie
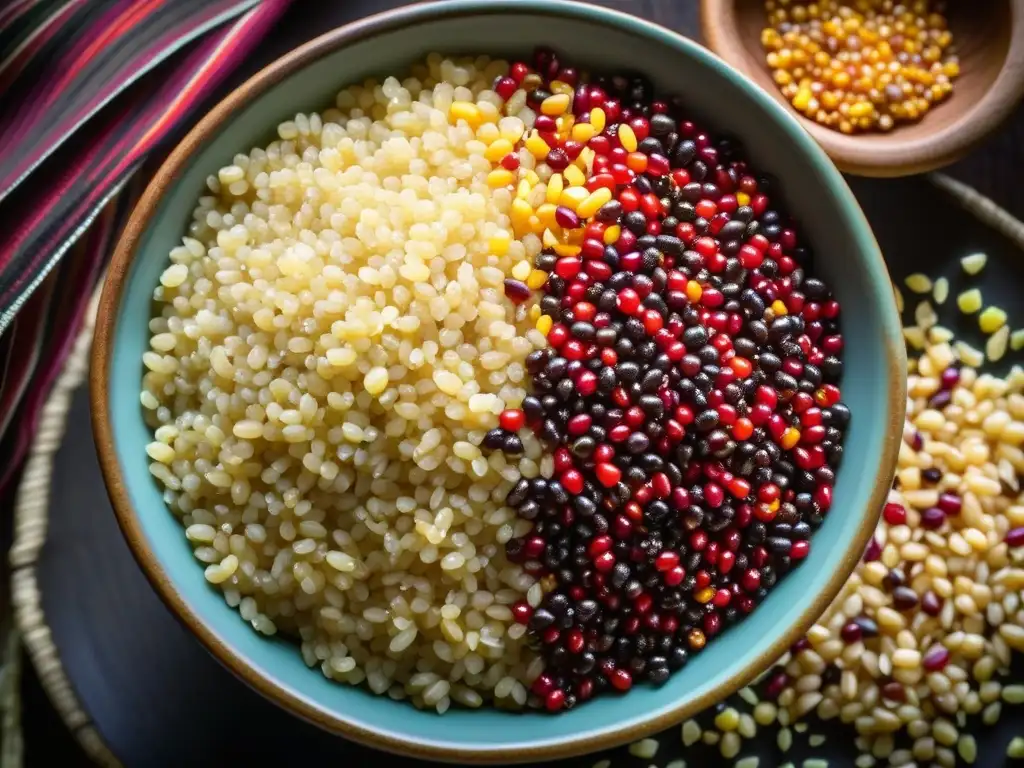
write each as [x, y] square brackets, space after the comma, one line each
[92, 93]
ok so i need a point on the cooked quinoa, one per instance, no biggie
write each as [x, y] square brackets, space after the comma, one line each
[331, 343]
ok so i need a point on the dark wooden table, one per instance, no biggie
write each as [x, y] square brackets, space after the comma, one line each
[898, 210]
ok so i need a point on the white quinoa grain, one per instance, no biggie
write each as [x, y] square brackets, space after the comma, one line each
[765, 713]
[1015, 749]
[918, 283]
[974, 263]
[747, 727]
[691, 733]
[996, 345]
[730, 745]
[1013, 694]
[967, 748]
[784, 739]
[645, 748]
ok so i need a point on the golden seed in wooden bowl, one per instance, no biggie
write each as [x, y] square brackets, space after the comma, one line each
[980, 59]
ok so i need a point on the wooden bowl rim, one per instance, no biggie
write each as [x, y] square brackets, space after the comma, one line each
[103, 353]
[858, 154]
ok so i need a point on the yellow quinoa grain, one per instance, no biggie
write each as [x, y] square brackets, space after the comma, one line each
[918, 283]
[555, 105]
[969, 301]
[627, 138]
[500, 178]
[991, 319]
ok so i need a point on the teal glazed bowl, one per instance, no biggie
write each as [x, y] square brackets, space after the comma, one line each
[308, 78]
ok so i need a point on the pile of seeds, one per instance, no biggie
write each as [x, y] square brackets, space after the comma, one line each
[920, 643]
[688, 392]
[495, 283]
[332, 344]
[862, 66]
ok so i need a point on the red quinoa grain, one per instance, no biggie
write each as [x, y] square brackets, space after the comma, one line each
[690, 386]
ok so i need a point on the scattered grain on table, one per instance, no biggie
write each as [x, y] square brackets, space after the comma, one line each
[991, 319]
[969, 301]
[1015, 749]
[995, 346]
[918, 283]
[973, 263]
[645, 748]
[691, 733]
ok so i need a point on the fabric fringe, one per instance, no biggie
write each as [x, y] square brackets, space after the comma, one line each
[984, 209]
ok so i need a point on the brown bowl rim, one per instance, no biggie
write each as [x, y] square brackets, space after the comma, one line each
[854, 154]
[296, 704]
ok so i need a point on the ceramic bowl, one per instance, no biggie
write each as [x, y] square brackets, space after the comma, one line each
[989, 38]
[308, 78]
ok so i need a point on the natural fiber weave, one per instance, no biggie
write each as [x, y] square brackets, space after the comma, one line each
[31, 523]
[30, 527]
[984, 209]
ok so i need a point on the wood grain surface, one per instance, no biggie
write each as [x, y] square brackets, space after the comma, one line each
[160, 700]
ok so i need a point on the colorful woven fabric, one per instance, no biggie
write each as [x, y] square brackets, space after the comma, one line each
[90, 91]
[78, 58]
[45, 329]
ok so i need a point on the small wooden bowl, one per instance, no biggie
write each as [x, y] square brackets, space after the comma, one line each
[989, 38]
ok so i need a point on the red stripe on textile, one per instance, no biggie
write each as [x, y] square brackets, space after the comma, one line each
[126, 18]
[232, 46]
[201, 72]
[208, 66]
[80, 284]
[90, 169]
[131, 70]
[23, 123]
